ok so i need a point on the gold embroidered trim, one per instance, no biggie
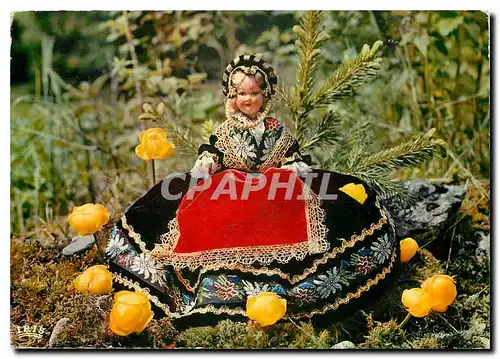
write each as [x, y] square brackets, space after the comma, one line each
[265, 254]
[154, 299]
[134, 285]
[173, 234]
[240, 120]
[315, 219]
[210, 308]
[183, 280]
[232, 160]
[135, 236]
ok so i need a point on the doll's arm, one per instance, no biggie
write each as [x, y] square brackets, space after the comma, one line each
[295, 161]
[209, 158]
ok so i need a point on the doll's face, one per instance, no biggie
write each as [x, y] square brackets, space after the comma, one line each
[249, 96]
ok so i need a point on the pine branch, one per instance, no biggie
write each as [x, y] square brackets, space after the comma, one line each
[184, 136]
[288, 101]
[327, 132]
[311, 36]
[374, 169]
[352, 145]
[158, 115]
[388, 189]
[349, 76]
[407, 154]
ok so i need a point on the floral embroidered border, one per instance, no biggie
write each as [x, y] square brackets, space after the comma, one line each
[369, 283]
[210, 308]
[231, 160]
[223, 144]
[285, 141]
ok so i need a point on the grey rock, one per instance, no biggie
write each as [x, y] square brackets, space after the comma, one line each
[79, 244]
[346, 344]
[435, 205]
[483, 249]
[58, 328]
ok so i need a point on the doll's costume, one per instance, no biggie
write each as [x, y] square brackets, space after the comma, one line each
[206, 249]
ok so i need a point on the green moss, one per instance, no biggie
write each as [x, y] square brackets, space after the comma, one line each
[386, 336]
[428, 341]
[228, 334]
[428, 266]
[201, 337]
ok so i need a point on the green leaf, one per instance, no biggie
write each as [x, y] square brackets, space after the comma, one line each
[147, 107]
[473, 29]
[147, 116]
[195, 79]
[160, 108]
[469, 54]
[447, 25]
[98, 84]
[422, 43]
[422, 17]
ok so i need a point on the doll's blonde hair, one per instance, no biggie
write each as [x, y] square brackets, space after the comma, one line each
[236, 80]
[239, 76]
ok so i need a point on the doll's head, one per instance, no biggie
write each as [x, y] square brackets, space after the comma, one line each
[249, 96]
[248, 84]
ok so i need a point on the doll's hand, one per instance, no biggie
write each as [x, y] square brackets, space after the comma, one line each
[205, 164]
[299, 167]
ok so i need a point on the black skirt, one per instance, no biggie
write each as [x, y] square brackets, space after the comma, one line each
[362, 251]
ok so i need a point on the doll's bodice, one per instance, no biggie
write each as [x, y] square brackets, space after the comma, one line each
[253, 149]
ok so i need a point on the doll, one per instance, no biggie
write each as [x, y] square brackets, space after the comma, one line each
[320, 241]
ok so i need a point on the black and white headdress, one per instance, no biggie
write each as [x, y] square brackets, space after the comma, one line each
[250, 65]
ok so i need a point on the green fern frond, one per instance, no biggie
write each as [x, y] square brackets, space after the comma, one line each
[349, 76]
